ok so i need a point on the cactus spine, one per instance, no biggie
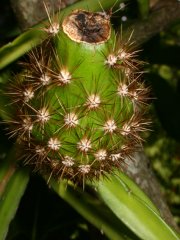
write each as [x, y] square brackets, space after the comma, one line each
[78, 103]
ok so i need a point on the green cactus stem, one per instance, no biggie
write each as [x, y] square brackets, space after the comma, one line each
[78, 103]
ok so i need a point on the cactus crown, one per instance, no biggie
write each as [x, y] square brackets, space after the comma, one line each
[78, 104]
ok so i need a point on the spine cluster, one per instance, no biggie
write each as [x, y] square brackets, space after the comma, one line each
[78, 106]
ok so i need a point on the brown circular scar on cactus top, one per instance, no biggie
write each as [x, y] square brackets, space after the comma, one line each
[84, 26]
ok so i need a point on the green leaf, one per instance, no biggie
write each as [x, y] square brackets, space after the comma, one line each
[131, 186]
[135, 210]
[94, 211]
[35, 36]
[13, 183]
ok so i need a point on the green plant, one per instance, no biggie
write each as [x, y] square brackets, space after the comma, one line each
[76, 109]
[78, 104]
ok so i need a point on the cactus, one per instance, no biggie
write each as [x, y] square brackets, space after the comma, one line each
[77, 107]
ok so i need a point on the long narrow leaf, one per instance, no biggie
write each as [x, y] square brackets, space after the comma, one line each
[13, 183]
[131, 186]
[94, 211]
[134, 211]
